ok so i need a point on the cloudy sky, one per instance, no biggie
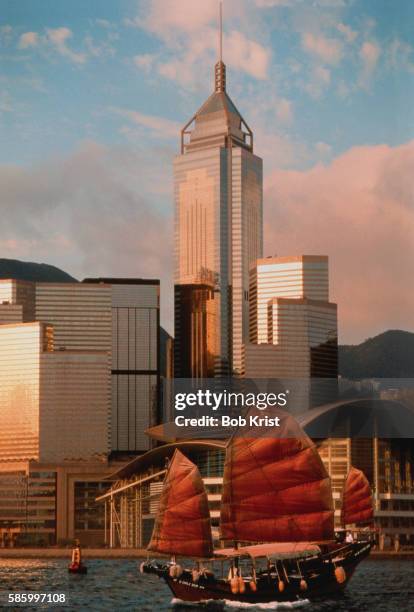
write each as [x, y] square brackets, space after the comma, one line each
[93, 94]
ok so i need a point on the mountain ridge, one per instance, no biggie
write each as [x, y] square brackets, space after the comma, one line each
[387, 355]
[31, 271]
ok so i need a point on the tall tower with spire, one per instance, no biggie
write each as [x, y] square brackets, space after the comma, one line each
[218, 235]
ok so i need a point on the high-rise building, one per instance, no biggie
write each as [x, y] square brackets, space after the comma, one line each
[218, 235]
[17, 301]
[63, 348]
[80, 314]
[54, 404]
[135, 349]
[116, 315]
[296, 277]
[293, 327]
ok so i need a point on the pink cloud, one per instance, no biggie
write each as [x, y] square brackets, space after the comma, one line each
[28, 39]
[190, 30]
[247, 55]
[186, 15]
[96, 212]
[284, 112]
[359, 211]
[349, 34]
[319, 80]
[328, 50]
[369, 54]
[158, 126]
[58, 38]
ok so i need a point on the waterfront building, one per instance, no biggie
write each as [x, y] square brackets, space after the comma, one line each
[218, 235]
[49, 503]
[79, 384]
[55, 421]
[132, 500]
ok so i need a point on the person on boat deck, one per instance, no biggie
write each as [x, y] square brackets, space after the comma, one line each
[340, 536]
[76, 554]
[349, 537]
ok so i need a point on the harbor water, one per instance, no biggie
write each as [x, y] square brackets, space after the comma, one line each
[116, 585]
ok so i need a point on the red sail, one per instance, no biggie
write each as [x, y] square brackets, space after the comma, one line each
[276, 488]
[183, 525]
[357, 504]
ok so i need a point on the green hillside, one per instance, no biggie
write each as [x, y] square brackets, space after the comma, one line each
[30, 271]
[388, 355]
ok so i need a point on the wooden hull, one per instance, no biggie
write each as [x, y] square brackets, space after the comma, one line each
[319, 575]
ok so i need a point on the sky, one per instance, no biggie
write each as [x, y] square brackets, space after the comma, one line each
[93, 95]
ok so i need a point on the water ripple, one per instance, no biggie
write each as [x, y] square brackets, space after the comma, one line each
[116, 585]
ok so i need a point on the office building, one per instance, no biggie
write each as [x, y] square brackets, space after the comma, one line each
[80, 314]
[79, 374]
[293, 328]
[118, 316]
[54, 404]
[55, 421]
[135, 350]
[50, 503]
[218, 235]
[17, 301]
[296, 277]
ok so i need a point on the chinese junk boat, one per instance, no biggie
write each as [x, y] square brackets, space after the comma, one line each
[277, 497]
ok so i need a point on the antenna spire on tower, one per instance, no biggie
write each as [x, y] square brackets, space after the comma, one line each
[220, 68]
[221, 32]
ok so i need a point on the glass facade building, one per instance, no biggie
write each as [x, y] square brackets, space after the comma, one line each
[388, 465]
[117, 316]
[296, 277]
[17, 301]
[132, 501]
[135, 359]
[218, 235]
[49, 503]
[79, 378]
[293, 327]
[80, 314]
[50, 400]
[27, 507]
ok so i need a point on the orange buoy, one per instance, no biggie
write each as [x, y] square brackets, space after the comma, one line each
[281, 586]
[242, 586]
[303, 585]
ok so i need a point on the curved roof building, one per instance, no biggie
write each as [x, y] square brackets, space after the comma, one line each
[345, 434]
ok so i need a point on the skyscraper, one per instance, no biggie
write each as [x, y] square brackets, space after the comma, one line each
[294, 277]
[218, 235]
[293, 326]
[54, 404]
[63, 348]
[135, 347]
[119, 316]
